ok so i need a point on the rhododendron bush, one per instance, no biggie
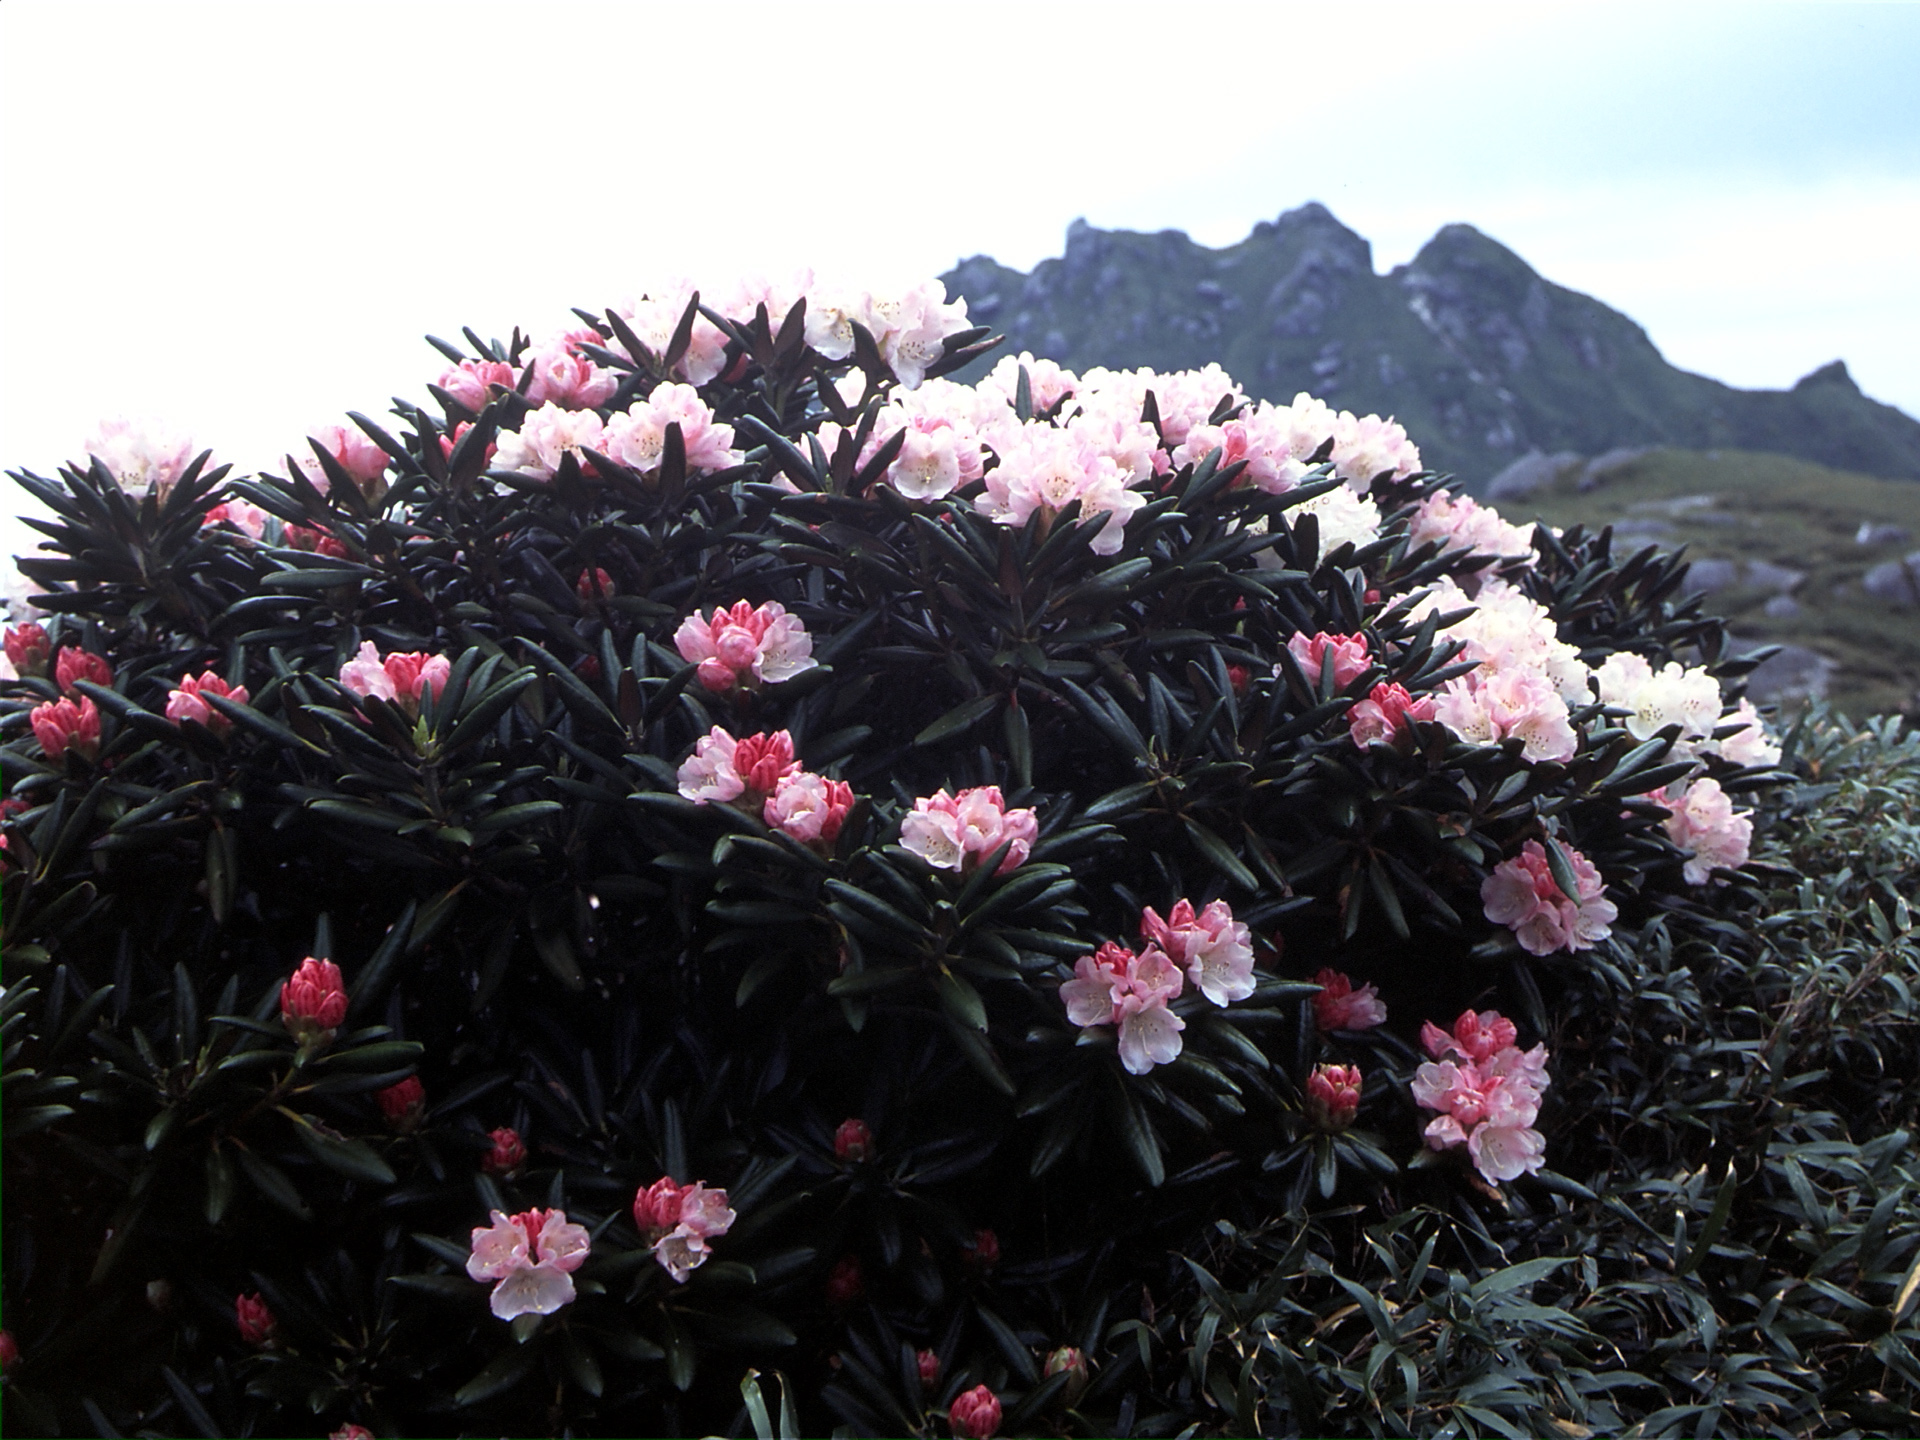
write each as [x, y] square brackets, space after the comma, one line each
[705, 847]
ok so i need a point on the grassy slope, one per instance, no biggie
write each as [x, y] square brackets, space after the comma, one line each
[1786, 512]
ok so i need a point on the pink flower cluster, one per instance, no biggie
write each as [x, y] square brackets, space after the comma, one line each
[1702, 821]
[1688, 697]
[28, 649]
[1487, 1091]
[402, 677]
[242, 516]
[564, 376]
[745, 645]
[546, 437]
[1339, 1006]
[1522, 895]
[1349, 654]
[637, 438]
[942, 447]
[255, 1321]
[184, 702]
[807, 807]
[140, 455]
[910, 328]
[1044, 469]
[679, 1220]
[357, 454]
[957, 832]
[1527, 675]
[471, 383]
[1486, 708]
[654, 318]
[1214, 949]
[1459, 522]
[73, 663]
[1385, 716]
[533, 1256]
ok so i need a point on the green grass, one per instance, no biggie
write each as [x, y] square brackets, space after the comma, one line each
[1787, 512]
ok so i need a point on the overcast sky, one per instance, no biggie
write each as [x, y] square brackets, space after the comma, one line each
[243, 217]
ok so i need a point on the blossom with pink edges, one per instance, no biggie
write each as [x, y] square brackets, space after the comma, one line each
[242, 516]
[1274, 441]
[1367, 448]
[313, 1001]
[140, 455]
[1522, 895]
[1702, 821]
[1487, 1091]
[404, 677]
[184, 702]
[63, 725]
[1213, 948]
[1486, 708]
[532, 1255]
[637, 438]
[564, 376]
[975, 1414]
[1114, 986]
[1186, 398]
[956, 832]
[653, 320]
[1675, 694]
[1748, 745]
[255, 1321]
[679, 1220]
[1351, 656]
[808, 807]
[546, 437]
[746, 644]
[1386, 715]
[73, 663]
[1459, 522]
[355, 452]
[1043, 469]
[471, 382]
[1333, 1096]
[1339, 1006]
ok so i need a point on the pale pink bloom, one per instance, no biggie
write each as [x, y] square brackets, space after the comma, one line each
[1506, 1152]
[1186, 398]
[140, 454]
[532, 1255]
[355, 452]
[808, 807]
[1702, 821]
[744, 294]
[1114, 986]
[1213, 948]
[1333, 1096]
[1048, 383]
[1750, 744]
[708, 774]
[932, 831]
[1339, 1006]
[62, 725]
[1350, 656]
[1127, 440]
[1485, 708]
[928, 466]
[1367, 447]
[1459, 522]
[403, 677]
[1343, 518]
[1266, 437]
[563, 376]
[1384, 716]
[471, 382]
[911, 328]
[763, 642]
[242, 515]
[184, 701]
[654, 319]
[546, 437]
[638, 438]
[1503, 629]
[956, 832]
[679, 1220]
[1047, 469]
[1521, 894]
[1671, 695]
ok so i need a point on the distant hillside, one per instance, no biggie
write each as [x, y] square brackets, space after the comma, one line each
[1479, 357]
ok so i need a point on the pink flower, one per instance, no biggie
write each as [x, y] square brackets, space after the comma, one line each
[956, 832]
[656, 1207]
[1702, 821]
[1386, 715]
[240, 515]
[449, 443]
[1339, 1006]
[28, 649]
[763, 761]
[1213, 948]
[255, 1321]
[1487, 707]
[561, 377]
[808, 807]
[927, 1363]
[1333, 1096]
[402, 677]
[62, 725]
[546, 437]
[680, 1219]
[403, 1103]
[975, 1414]
[762, 642]
[1487, 1092]
[638, 438]
[532, 1255]
[1044, 469]
[708, 774]
[73, 664]
[140, 455]
[508, 1154]
[363, 460]
[10, 1354]
[654, 320]
[1459, 522]
[313, 1001]
[351, 1431]
[846, 1282]
[853, 1141]
[1350, 656]
[594, 584]
[1367, 448]
[1113, 986]
[184, 702]
[471, 382]
[1476, 1036]
[1521, 894]
[318, 542]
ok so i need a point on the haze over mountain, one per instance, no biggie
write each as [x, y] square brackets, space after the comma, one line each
[1481, 358]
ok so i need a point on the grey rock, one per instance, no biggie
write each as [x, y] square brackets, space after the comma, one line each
[1601, 468]
[1895, 581]
[1881, 534]
[1796, 673]
[1706, 576]
[1637, 528]
[1778, 578]
[1532, 471]
[1781, 607]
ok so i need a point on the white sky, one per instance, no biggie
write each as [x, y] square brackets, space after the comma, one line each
[242, 218]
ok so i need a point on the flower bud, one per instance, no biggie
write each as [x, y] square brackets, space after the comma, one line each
[508, 1153]
[927, 1362]
[1241, 678]
[975, 1413]
[1069, 1360]
[73, 664]
[853, 1141]
[313, 1002]
[403, 1103]
[28, 648]
[63, 725]
[256, 1322]
[186, 701]
[657, 1207]
[845, 1282]
[985, 1250]
[9, 1351]
[1333, 1096]
[594, 584]
[350, 1431]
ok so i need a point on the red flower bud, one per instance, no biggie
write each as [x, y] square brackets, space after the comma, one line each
[853, 1141]
[62, 725]
[928, 1364]
[594, 584]
[1072, 1362]
[845, 1283]
[350, 1431]
[508, 1153]
[9, 1350]
[256, 1322]
[975, 1414]
[1241, 678]
[28, 648]
[73, 664]
[313, 1002]
[1333, 1096]
[657, 1207]
[985, 1249]
[402, 1103]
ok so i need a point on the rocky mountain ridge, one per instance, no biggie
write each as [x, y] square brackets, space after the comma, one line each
[1481, 358]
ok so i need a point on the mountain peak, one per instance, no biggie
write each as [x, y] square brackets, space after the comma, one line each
[1834, 373]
